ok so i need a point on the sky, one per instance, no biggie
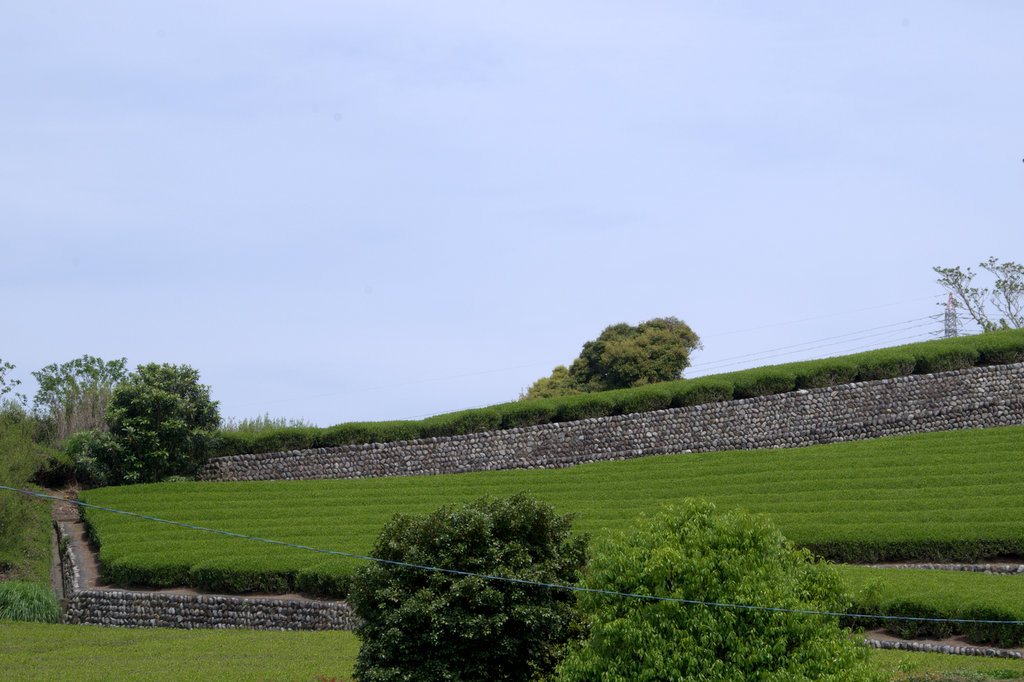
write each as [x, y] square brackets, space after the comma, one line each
[360, 211]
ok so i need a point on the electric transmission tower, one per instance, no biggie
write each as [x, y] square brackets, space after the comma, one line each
[952, 323]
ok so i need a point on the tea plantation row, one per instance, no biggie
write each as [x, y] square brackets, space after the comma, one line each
[994, 348]
[935, 497]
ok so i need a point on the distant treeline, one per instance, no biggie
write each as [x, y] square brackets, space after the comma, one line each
[992, 348]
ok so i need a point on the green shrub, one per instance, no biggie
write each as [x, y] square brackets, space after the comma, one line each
[763, 381]
[574, 408]
[643, 399]
[1000, 348]
[827, 372]
[323, 581]
[161, 423]
[700, 391]
[357, 433]
[885, 364]
[528, 413]
[30, 601]
[460, 423]
[431, 625]
[944, 356]
[225, 576]
[693, 552]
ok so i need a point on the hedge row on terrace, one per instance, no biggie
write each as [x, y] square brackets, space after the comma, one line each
[323, 583]
[993, 348]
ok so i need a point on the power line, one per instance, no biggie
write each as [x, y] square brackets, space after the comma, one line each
[520, 581]
[810, 346]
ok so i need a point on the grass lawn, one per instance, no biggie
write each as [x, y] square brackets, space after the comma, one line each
[32, 651]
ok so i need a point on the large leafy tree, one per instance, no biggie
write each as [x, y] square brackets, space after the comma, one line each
[161, 422]
[1006, 295]
[624, 356]
[694, 552]
[429, 625]
[75, 394]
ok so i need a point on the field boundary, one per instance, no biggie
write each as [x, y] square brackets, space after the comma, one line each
[115, 607]
[978, 397]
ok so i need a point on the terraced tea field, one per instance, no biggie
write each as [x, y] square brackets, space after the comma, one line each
[955, 496]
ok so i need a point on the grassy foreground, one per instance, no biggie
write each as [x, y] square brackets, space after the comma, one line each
[32, 651]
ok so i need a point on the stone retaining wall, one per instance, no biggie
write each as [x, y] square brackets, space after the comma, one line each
[140, 609]
[979, 397]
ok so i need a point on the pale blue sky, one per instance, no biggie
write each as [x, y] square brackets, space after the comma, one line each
[381, 210]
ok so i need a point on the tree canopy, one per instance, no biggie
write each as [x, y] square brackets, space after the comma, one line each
[75, 394]
[624, 356]
[694, 552]
[161, 422]
[432, 625]
[1006, 295]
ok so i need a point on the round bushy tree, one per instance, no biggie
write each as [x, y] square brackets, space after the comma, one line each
[161, 423]
[429, 625]
[693, 552]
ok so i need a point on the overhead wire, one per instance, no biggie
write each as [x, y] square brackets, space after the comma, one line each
[521, 581]
[811, 346]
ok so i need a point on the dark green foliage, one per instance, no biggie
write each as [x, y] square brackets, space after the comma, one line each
[573, 408]
[559, 384]
[920, 593]
[999, 348]
[29, 601]
[765, 381]
[226, 577]
[885, 364]
[460, 423]
[700, 391]
[643, 399]
[945, 356]
[161, 422]
[827, 372]
[323, 581]
[430, 625]
[623, 356]
[694, 552]
[528, 413]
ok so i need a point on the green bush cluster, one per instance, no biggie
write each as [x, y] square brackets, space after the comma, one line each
[921, 593]
[930, 550]
[993, 348]
[228, 575]
[439, 625]
[694, 552]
